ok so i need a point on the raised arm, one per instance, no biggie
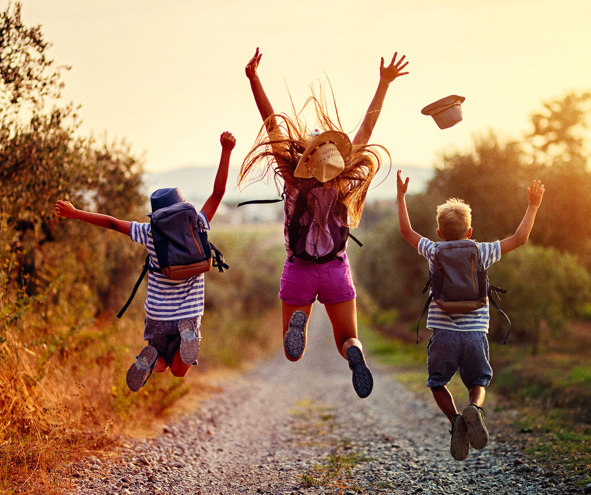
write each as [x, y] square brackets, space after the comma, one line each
[535, 193]
[387, 75]
[67, 210]
[406, 229]
[260, 97]
[228, 142]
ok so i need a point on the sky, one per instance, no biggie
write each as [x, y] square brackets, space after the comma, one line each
[168, 76]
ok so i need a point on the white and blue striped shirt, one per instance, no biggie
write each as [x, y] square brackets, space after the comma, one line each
[477, 320]
[169, 299]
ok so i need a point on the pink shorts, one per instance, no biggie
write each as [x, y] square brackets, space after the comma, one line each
[302, 282]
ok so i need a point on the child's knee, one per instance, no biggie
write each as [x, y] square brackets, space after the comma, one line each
[179, 372]
[161, 365]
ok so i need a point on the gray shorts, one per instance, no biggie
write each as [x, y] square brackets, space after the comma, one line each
[165, 337]
[449, 350]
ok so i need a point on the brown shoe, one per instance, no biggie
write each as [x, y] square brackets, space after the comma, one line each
[477, 432]
[459, 446]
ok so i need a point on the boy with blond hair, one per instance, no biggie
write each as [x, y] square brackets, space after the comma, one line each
[459, 341]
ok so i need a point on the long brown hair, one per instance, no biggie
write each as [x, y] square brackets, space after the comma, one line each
[279, 151]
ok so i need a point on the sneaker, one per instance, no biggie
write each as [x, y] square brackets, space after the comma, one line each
[190, 342]
[459, 446]
[362, 378]
[477, 432]
[294, 341]
[139, 372]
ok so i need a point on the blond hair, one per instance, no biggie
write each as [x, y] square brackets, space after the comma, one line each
[454, 219]
[280, 148]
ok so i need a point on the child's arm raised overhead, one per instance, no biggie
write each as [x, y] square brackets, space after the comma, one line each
[387, 75]
[228, 141]
[406, 229]
[263, 103]
[260, 97]
[67, 210]
[535, 193]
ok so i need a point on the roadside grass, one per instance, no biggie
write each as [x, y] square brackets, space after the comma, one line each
[63, 395]
[551, 390]
[335, 469]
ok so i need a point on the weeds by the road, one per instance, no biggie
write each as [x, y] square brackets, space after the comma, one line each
[63, 394]
[334, 469]
[551, 391]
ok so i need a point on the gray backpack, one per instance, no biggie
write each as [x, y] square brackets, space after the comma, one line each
[459, 281]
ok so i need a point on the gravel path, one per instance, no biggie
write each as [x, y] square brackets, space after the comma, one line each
[294, 428]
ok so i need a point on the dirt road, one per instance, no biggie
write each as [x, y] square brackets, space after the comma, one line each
[295, 428]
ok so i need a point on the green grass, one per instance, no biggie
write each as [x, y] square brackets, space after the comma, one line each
[551, 391]
[336, 468]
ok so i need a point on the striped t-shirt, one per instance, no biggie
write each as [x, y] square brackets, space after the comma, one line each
[477, 320]
[170, 299]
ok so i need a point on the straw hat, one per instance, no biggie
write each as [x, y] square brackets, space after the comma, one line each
[325, 156]
[446, 112]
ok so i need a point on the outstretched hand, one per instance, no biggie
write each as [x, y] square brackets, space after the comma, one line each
[65, 209]
[394, 70]
[535, 193]
[401, 186]
[227, 140]
[252, 65]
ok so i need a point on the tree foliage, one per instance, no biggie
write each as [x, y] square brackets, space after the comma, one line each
[43, 159]
[547, 282]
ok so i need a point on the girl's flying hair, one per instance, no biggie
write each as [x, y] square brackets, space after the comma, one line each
[282, 141]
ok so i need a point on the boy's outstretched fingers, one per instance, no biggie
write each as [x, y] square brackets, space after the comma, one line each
[535, 192]
[64, 209]
[402, 186]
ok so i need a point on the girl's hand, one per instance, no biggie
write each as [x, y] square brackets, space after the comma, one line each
[535, 193]
[401, 186]
[65, 209]
[227, 140]
[252, 65]
[394, 70]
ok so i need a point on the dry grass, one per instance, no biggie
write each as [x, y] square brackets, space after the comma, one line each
[60, 405]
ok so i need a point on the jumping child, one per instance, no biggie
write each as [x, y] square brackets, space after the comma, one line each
[459, 341]
[332, 174]
[173, 307]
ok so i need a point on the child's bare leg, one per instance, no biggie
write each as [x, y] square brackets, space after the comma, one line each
[445, 401]
[287, 312]
[177, 366]
[343, 317]
[477, 393]
[161, 365]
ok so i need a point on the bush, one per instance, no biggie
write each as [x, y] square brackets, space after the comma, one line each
[546, 288]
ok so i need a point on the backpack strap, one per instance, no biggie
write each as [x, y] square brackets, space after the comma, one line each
[494, 291]
[426, 307]
[263, 201]
[357, 241]
[218, 258]
[145, 269]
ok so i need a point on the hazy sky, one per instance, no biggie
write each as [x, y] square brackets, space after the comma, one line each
[168, 76]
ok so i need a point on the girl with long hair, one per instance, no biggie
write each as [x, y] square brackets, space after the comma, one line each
[325, 180]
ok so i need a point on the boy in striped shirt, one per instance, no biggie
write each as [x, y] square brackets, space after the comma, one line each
[173, 307]
[459, 341]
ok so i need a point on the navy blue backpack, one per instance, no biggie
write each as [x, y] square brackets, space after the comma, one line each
[182, 247]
